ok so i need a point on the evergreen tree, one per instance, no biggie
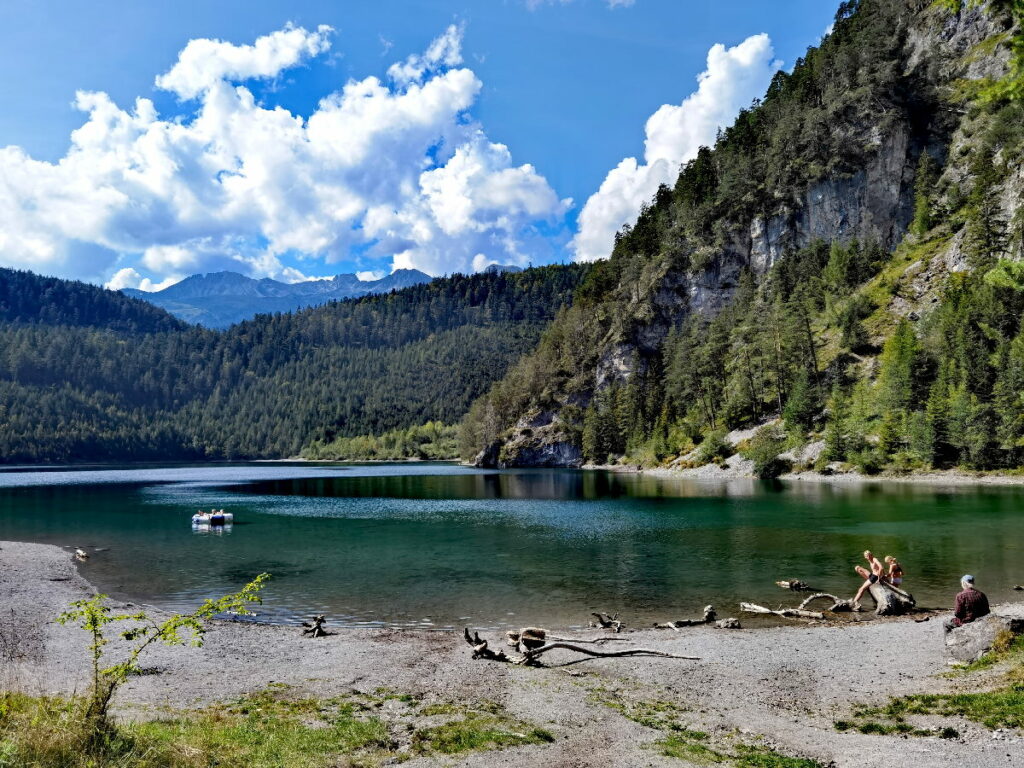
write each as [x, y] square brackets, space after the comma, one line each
[986, 231]
[924, 195]
[802, 405]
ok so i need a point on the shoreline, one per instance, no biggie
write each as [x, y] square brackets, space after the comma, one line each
[707, 472]
[782, 686]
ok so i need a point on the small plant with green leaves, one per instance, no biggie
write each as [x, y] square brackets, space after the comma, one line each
[95, 615]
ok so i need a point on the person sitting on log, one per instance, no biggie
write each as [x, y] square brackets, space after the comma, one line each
[970, 604]
[895, 575]
[870, 577]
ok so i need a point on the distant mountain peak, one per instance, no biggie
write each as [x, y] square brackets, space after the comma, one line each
[219, 299]
[494, 269]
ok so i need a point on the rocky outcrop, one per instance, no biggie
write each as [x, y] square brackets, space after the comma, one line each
[537, 441]
[972, 641]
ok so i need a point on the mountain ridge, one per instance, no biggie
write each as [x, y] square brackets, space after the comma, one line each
[239, 297]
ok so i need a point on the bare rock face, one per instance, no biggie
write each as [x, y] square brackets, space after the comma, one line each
[537, 441]
[972, 641]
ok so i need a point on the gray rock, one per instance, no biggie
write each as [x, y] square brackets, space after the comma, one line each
[972, 641]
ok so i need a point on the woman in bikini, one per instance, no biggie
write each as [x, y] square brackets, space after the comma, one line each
[870, 577]
[895, 575]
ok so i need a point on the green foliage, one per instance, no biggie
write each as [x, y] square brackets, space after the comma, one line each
[764, 449]
[715, 448]
[94, 616]
[431, 441]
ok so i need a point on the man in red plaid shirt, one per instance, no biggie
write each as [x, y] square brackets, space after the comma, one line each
[970, 604]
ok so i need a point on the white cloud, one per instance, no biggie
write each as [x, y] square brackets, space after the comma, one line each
[733, 78]
[392, 168]
[370, 274]
[204, 63]
[130, 278]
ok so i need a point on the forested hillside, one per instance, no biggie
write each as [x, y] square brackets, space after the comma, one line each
[844, 259]
[75, 387]
[29, 299]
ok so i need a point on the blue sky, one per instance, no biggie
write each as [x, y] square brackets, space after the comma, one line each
[565, 87]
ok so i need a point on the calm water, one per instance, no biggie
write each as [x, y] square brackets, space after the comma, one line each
[439, 545]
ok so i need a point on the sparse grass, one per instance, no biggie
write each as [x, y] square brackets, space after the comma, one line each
[475, 732]
[1002, 707]
[269, 729]
[685, 743]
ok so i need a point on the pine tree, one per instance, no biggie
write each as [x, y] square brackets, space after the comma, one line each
[837, 443]
[924, 195]
[986, 231]
[802, 405]
[899, 362]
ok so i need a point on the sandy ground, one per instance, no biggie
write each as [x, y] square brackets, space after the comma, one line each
[785, 686]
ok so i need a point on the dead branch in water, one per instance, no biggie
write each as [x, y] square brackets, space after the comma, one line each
[796, 585]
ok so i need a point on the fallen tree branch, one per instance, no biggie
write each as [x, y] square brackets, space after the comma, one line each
[480, 649]
[534, 637]
[532, 656]
[838, 604]
[789, 613]
[710, 617]
[527, 640]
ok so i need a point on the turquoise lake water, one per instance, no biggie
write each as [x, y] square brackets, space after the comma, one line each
[439, 545]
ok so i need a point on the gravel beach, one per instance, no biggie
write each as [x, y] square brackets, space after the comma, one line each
[784, 686]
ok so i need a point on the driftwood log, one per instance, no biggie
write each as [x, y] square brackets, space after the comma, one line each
[607, 621]
[531, 651]
[789, 613]
[838, 604]
[796, 585]
[890, 600]
[316, 628]
[710, 617]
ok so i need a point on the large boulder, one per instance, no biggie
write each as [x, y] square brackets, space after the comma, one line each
[972, 641]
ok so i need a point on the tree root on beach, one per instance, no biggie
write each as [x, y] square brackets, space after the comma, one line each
[533, 642]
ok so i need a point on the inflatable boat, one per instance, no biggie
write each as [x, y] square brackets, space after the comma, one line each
[213, 517]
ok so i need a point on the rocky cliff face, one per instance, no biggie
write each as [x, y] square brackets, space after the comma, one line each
[873, 203]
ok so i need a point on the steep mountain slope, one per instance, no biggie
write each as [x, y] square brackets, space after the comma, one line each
[770, 277]
[220, 299]
[269, 386]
